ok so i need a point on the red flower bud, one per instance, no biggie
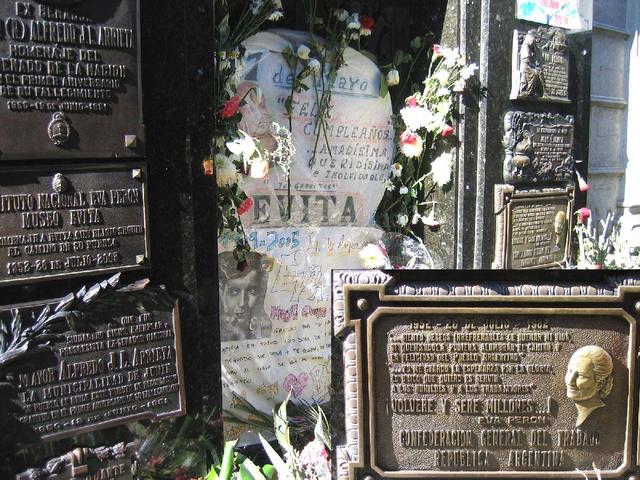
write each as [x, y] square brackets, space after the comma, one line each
[207, 167]
[367, 22]
[244, 207]
[583, 214]
[230, 108]
[447, 131]
[411, 101]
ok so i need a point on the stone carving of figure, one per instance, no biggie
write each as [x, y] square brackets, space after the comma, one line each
[531, 80]
[589, 380]
[242, 294]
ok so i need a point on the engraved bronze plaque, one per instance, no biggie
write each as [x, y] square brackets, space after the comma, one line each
[107, 463]
[538, 148]
[533, 227]
[62, 221]
[540, 65]
[439, 383]
[70, 79]
[116, 358]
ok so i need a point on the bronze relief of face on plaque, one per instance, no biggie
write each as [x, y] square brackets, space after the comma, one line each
[589, 380]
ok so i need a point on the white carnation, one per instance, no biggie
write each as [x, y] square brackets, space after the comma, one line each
[226, 171]
[372, 256]
[468, 71]
[441, 169]
[416, 117]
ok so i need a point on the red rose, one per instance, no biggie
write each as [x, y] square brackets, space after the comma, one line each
[367, 22]
[245, 206]
[230, 108]
[447, 131]
[583, 214]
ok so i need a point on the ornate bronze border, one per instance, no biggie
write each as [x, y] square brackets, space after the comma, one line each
[505, 197]
[385, 286]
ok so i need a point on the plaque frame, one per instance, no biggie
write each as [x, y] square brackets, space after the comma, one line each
[360, 297]
[80, 168]
[516, 65]
[101, 425]
[121, 148]
[505, 198]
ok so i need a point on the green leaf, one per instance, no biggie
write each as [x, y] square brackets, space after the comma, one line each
[212, 475]
[288, 106]
[417, 43]
[281, 426]
[223, 29]
[227, 461]
[278, 463]
[321, 430]
[249, 471]
[384, 88]
[269, 471]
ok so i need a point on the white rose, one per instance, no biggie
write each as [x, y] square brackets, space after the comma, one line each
[314, 65]
[303, 52]
[393, 77]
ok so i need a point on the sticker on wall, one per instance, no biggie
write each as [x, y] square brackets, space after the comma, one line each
[570, 14]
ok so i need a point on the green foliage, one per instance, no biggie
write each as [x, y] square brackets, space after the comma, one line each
[602, 246]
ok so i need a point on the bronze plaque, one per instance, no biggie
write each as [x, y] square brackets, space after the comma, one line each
[538, 148]
[102, 463]
[116, 359]
[70, 79]
[533, 227]
[471, 391]
[62, 221]
[540, 65]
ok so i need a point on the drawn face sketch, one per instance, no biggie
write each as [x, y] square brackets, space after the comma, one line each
[240, 297]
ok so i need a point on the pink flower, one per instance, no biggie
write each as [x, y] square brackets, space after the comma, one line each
[230, 108]
[437, 51]
[583, 214]
[245, 206]
[447, 131]
[315, 460]
[410, 144]
[411, 101]
[582, 183]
